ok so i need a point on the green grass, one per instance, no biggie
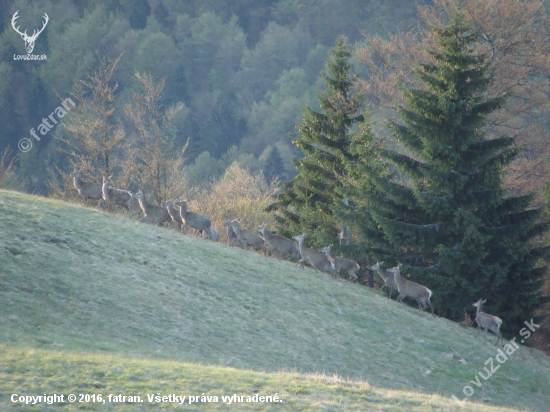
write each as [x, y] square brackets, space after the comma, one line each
[90, 299]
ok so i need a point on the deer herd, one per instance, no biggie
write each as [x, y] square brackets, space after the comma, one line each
[178, 215]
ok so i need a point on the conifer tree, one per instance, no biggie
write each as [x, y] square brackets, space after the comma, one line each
[306, 203]
[274, 166]
[449, 220]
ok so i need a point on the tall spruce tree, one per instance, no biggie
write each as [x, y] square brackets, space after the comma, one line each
[452, 226]
[306, 203]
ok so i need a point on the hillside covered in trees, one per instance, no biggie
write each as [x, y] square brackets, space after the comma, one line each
[241, 69]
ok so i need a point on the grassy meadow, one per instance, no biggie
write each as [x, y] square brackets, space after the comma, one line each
[97, 303]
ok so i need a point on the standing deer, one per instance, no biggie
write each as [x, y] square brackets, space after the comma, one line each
[29, 40]
[317, 259]
[194, 220]
[115, 197]
[340, 263]
[487, 322]
[86, 190]
[278, 245]
[386, 276]
[152, 213]
[175, 215]
[248, 238]
[416, 291]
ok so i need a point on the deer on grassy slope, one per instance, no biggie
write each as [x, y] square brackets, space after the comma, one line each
[177, 222]
[386, 276]
[317, 259]
[86, 190]
[340, 263]
[194, 220]
[487, 322]
[152, 213]
[232, 236]
[278, 245]
[248, 238]
[415, 290]
[115, 197]
[211, 234]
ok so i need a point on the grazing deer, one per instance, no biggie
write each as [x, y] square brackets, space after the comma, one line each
[152, 213]
[278, 245]
[487, 322]
[232, 236]
[194, 220]
[317, 259]
[115, 197]
[248, 238]
[386, 276]
[416, 291]
[340, 263]
[86, 190]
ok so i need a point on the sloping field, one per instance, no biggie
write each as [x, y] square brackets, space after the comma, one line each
[97, 303]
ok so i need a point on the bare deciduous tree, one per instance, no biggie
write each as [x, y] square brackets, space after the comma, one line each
[95, 133]
[150, 160]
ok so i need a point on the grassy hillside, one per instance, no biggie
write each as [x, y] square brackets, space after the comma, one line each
[100, 304]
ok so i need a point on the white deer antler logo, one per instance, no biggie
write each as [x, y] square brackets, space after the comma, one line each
[29, 40]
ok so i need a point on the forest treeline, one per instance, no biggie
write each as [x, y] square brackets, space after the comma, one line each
[243, 70]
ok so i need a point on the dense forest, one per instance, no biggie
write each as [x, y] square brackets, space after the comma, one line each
[242, 69]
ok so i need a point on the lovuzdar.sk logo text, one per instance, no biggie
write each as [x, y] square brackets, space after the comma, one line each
[29, 40]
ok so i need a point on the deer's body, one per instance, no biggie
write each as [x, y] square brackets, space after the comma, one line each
[317, 259]
[152, 213]
[278, 245]
[115, 197]
[86, 190]
[248, 238]
[194, 220]
[386, 276]
[232, 236]
[340, 263]
[487, 322]
[415, 290]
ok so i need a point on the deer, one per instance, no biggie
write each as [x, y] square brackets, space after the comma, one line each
[232, 236]
[415, 290]
[317, 259]
[340, 263]
[248, 238]
[214, 234]
[278, 245]
[194, 220]
[487, 322]
[386, 276]
[87, 190]
[115, 197]
[152, 213]
[29, 40]
[177, 222]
